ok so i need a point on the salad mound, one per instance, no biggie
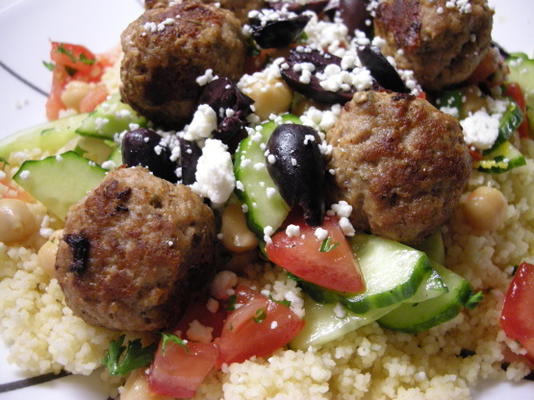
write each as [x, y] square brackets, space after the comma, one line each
[314, 219]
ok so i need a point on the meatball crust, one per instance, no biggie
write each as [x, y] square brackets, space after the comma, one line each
[401, 163]
[131, 249]
[166, 49]
[443, 46]
[239, 7]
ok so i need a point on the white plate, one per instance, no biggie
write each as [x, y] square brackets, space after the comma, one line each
[26, 26]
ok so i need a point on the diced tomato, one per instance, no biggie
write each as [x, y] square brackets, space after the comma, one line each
[475, 154]
[179, 370]
[422, 95]
[74, 56]
[198, 311]
[73, 62]
[333, 268]
[517, 318]
[10, 190]
[487, 67]
[514, 91]
[92, 99]
[257, 327]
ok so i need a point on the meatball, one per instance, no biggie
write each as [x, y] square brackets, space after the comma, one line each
[166, 49]
[401, 163]
[133, 251]
[239, 7]
[442, 45]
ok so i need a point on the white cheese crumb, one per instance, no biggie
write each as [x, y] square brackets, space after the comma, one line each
[215, 174]
[346, 226]
[109, 164]
[206, 78]
[267, 233]
[203, 124]
[481, 129]
[320, 233]
[270, 192]
[342, 209]
[24, 175]
[274, 325]
[292, 230]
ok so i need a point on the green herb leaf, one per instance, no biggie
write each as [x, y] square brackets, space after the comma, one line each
[62, 50]
[328, 245]
[230, 303]
[86, 60]
[49, 65]
[286, 303]
[260, 315]
[169, 337]
[474, 300]
[121, 360]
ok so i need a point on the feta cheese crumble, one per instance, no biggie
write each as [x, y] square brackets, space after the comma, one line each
[481, 129]
[203, 124]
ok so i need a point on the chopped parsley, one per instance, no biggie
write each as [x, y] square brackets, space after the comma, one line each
[86, 60]
[62, 50]
[121, 359]
[259, 316]
[286, 303]
[230, 303]
[474, 300]
[49, 65]
[328, 245]
[169, 337]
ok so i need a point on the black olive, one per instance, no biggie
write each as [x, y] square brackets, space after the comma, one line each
[141, 147]
[331, 8]
[280, 33]
[223, 94]
[354, 14]
[381, 70]
[189, 155]
[313, 89]
[299, 169]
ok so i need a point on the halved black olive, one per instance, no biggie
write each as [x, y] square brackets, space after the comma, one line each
[354, 14]
[142, 147]
[223, 94]
[189, 155]
[299, 169]
[280, 33]
[381, 69]
[313, 89]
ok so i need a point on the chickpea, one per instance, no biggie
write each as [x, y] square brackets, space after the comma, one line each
[46, 256]
[17, 222]
[237, 237]
[136, 388]
[271, 96]
[73, 94]
[485, 208]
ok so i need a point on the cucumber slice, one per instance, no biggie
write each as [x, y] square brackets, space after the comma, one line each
[49, 137]
[109, 118]
[434, 247]
[116, 156]
[250, 169]
[451, 99]
[418, 317]
[323, 326]
[522, 72]
[94, 149]
[391, 270]
[502, 159]
[509, 123]
[59, 181]
[432, 287]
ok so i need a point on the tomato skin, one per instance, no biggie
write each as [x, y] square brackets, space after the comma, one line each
[178, 371]
[335, 269]
[73, 56]
[243, 337]
[516, 93]
[198, 311]
[517, 318]
[92, 99]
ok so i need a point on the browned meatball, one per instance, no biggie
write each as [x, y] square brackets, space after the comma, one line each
[442, 45]
[131, 249]
[239, 7]
[400, 163]
[166, 49]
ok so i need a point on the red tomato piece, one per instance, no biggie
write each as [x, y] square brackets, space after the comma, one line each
[92, 99]
[334, 268]
[73, 56]
[178, 370]
[514, 91]
[198, 311]
[517, 318]
[257, 327]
